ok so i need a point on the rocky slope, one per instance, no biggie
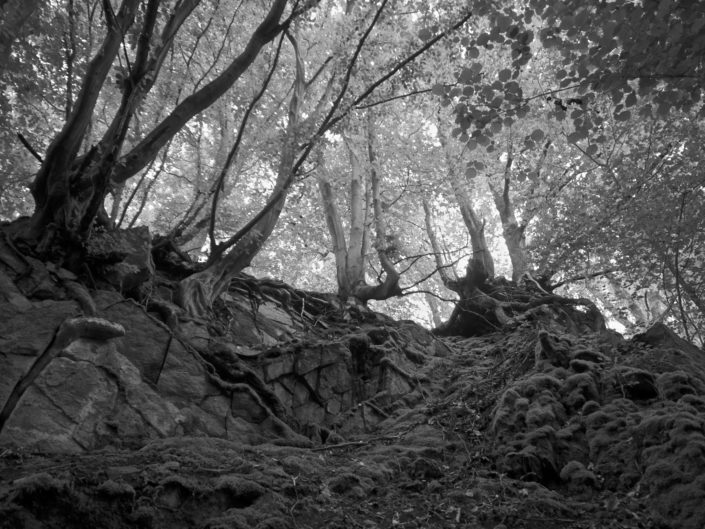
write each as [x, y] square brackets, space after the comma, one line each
[288, 410]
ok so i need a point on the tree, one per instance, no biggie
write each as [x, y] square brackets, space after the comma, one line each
[70, 187]
[365, 209]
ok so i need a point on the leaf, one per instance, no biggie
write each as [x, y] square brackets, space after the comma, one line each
[438, 90]
[466, 76]
[537, 135]
[473, 53]
[470, 172]
[505, 75]
[425, 34]
[575, 137]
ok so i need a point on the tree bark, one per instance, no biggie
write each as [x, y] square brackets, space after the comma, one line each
[57, 205]
[450, 282]
[69, 190]
[514, 232]
[350, 259]
[390, 286]
[336, 231]
[480, 268]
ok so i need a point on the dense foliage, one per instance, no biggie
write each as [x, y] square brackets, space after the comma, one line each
[370, 147]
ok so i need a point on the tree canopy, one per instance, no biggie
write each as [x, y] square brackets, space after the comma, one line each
[402, 152]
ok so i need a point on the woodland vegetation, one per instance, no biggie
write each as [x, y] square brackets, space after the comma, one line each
[400, 150]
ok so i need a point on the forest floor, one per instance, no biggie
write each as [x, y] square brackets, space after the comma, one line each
[533, 427]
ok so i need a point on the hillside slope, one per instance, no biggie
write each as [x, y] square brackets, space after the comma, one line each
[290, 410]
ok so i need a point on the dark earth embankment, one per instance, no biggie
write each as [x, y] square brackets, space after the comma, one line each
[288, 410]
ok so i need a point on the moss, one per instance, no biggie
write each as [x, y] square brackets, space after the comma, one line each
[242, 491]
[537, 383]
[582, 366]
[522, 403]
[590, 407]
[587, 355]
[695, 402]
[578, 478]
[115, 488]
[597, 419]
[579, 389]
[675, 384]
[661, 476]
[343, 483]
[538, 416]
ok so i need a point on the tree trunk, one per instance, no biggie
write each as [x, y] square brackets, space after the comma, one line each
[69, 190]
[198, 291]
[66, 186]
[481, 266]
[350, 259]
[514, 233]
[449, 281]
[337, 233]
[390, 286]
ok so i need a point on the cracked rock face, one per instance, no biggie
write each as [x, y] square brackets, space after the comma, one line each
[105, 387]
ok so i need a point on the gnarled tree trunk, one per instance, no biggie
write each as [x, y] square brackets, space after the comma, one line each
[69, 189]
[198, 291]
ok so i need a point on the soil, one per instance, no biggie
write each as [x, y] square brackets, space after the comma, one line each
[300, 412]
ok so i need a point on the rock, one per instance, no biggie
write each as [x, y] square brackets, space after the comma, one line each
[659, 335]
[635, 384]
[124, 257]
[578, 478]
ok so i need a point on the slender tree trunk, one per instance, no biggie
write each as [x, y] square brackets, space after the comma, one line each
[355, 266]
[350, 259]
[390, 286]
[337, 233]
[449, 281]
[514, 233]
[481, 266]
